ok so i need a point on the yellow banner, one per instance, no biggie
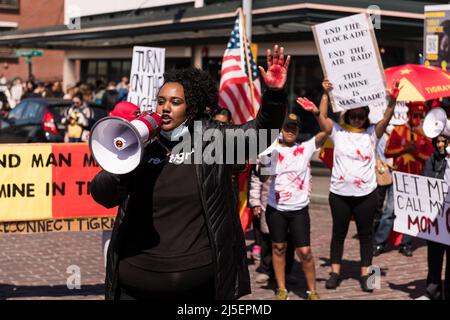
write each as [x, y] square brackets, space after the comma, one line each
[438, 14]
[57, 225]
[47, 181]
[22, 185]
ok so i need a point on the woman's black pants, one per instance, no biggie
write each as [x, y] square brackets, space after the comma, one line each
[363, 210]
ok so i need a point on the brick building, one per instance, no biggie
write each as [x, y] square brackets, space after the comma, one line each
[25, 14]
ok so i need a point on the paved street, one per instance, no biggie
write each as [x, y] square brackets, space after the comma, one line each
[35, 266]
[402, 277]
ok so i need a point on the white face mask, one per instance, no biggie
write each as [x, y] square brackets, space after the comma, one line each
[177, 133]
[447, 150]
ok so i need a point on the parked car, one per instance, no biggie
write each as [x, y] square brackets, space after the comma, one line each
[39, 120]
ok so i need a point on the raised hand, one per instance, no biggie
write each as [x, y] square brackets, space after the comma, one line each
[307, 104]
[394, 91]
[276, 75]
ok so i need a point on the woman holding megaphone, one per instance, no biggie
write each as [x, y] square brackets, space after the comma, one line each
[177, 234]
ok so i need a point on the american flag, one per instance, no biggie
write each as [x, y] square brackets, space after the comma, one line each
[234, 91]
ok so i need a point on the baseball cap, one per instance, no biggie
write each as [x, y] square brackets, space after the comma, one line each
[292, 118]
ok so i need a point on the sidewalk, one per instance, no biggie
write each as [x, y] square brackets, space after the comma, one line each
[320, 183]
[35, 266]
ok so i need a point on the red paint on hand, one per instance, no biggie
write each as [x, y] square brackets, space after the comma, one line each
[275, 76]
[395, 91]
[306, 104]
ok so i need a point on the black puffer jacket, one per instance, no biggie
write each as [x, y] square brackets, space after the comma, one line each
[219, 205]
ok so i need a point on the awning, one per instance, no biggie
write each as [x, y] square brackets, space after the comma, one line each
[185, 25]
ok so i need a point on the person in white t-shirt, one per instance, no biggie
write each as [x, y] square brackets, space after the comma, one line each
[288, 200]
[353, 181]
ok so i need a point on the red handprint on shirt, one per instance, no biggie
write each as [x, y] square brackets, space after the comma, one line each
[299, 150]
[296, 180]
[282, 196]
[358, 182]
[361, 156]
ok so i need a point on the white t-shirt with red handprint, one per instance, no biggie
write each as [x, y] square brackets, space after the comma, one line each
[353, 172]
[291, 184]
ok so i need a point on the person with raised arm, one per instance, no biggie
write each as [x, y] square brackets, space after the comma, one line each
[353, 181]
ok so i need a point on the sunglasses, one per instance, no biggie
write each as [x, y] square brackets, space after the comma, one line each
[416, 115]
[357, 116]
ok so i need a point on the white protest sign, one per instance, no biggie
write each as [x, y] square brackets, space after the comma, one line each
[400, 113]
[422, 207]
[350, 59]
[147, 76]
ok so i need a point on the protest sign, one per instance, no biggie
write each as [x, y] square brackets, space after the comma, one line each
[400, 113]
[47, 181]
[422, 207]
[350, 59]
[57, 225]
[436, 41]
[147, 76]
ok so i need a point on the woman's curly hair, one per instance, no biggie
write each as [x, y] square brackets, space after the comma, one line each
[200, 90]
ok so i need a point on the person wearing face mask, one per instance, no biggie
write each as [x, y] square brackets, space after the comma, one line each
[409, 148]
[436, 167]
[353, 188]
[177, 235]
[287, 210]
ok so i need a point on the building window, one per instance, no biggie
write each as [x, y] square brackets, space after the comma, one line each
[9, 4]
[95, 71]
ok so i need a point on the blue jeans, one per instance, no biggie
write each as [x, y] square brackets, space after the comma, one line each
[387, 222]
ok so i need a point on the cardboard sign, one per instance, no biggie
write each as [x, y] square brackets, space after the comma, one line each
[350, 59]
[436, 39]
[422, 207]
[400, 113]
[47, 181]
[147, 76]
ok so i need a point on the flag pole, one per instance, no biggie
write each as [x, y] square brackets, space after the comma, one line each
[247, 58]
